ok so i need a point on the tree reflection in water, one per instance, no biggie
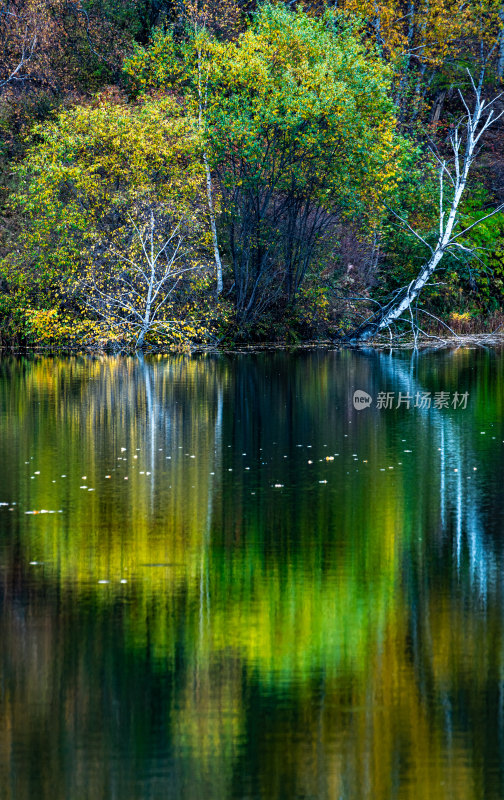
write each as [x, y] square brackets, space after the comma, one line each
[339, 639]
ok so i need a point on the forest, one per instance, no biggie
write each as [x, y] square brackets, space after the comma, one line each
[181, 175]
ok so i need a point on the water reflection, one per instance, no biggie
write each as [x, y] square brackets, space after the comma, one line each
[272, 595]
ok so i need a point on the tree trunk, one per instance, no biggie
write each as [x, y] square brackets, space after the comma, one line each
[202, 102]
[393, 310]
[463, 157]
[141, 339]
[500, 62]
[213, 224]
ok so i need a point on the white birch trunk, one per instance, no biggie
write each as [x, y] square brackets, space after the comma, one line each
[208, 175]
[475, 128]
[213, 224]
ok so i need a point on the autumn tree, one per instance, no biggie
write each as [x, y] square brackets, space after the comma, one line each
[299, 128]
[451, 237]
[429, 44]
[131, 283]
[90, 184]
[303, 132]
[159, 66]
[57, 44]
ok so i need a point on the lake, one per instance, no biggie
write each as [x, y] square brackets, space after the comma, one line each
[220, 579]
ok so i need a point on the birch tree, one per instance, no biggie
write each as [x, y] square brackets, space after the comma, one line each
[132, 289]
[94, 174]
[202, 89]
[465, 142]
[190, 67]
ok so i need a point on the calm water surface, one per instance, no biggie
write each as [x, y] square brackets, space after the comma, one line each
[220, 580]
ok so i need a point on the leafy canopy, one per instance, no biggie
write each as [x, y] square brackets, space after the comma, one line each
[89, 173]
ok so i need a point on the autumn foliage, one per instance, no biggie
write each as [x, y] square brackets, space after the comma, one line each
[277, 137]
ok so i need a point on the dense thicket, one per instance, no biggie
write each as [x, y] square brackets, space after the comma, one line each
[182, 173]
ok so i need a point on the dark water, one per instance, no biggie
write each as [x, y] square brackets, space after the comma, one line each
[238, 586]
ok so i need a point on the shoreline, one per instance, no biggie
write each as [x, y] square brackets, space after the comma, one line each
[423, 343]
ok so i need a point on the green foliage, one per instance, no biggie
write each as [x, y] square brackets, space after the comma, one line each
[85, 173]
[298, 118]
[299, 127]
[486, 269]
[85, 188]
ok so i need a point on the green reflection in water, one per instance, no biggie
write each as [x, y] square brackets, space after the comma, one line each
[271, 595]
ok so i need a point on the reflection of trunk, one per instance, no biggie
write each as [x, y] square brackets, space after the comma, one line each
[456, 495]
[204, 588]
[152, 416]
